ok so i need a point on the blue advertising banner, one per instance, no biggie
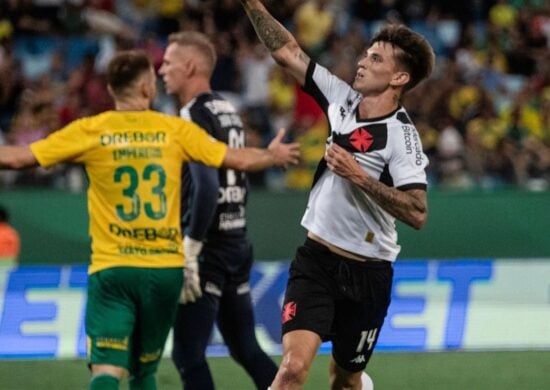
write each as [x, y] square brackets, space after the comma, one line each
[436, 305]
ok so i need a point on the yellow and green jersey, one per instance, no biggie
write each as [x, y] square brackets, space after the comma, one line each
[133, 160]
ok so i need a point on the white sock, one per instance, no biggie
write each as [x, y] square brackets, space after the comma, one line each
[366, 382]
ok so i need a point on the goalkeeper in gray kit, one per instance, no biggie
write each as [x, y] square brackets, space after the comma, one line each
[217, 251]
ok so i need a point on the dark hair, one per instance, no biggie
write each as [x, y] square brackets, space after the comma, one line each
[416, 54]
[199, 41]
[125, 68]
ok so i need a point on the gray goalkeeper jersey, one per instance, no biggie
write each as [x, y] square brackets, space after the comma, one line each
[387, 148]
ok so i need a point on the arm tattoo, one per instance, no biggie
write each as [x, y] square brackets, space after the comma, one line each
[406, 206]
[273, 35]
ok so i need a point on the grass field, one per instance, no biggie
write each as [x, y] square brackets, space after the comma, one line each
[411, 371]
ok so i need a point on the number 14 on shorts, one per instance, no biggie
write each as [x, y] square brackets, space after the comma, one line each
[367, 336]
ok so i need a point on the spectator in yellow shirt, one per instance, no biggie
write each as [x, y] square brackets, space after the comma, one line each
[314, 23]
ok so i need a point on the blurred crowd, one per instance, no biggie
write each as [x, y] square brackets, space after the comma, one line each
[484, 115]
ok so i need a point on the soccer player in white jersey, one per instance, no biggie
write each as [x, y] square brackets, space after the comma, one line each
[340, 280]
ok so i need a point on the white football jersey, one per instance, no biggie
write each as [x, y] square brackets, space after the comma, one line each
[387, 148]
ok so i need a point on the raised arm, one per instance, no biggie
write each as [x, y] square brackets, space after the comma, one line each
[279, 41]
[16, 157]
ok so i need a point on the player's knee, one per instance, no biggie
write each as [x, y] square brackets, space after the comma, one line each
[108, 369]
[294, 369]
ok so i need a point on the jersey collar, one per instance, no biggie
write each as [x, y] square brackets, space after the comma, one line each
[376, 119]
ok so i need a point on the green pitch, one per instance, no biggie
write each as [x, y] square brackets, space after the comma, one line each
[411, 371]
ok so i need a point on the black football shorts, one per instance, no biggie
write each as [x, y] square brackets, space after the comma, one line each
[340, 299]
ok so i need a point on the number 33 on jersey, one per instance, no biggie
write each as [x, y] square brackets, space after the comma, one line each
[135, 158]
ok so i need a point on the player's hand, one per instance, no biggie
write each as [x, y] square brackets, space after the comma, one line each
[191, 290]
[284, 154]
[341, 162]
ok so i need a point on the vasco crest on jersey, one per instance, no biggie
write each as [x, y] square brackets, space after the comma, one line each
[364, 139]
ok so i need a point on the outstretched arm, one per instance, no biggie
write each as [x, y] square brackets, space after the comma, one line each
[16, 157]
[279, 41]
[410, 206]
[277, 154]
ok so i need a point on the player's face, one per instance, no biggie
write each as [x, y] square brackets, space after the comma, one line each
[376, 69]
[173, 68]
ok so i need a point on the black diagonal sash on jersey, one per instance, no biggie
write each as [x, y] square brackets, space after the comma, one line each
[364, 139]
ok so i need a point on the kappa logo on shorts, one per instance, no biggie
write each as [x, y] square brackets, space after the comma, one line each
[358, 359]
[289, 311]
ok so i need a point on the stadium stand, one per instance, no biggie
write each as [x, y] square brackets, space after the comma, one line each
[484, 116]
